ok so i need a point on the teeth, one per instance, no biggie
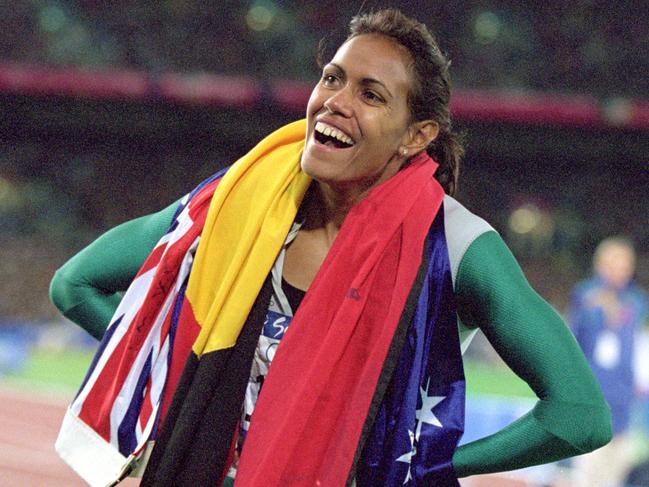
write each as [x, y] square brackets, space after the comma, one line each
[343, 138]
[333, 132]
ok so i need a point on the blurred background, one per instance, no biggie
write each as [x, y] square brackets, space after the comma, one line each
[110, 110]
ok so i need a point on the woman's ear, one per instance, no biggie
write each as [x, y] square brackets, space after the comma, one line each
[420, 134]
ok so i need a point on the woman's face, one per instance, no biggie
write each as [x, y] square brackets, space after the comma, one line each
[358, 115]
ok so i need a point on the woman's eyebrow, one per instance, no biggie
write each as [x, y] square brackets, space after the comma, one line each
[337, 67]
[364, 81]
[372, 81]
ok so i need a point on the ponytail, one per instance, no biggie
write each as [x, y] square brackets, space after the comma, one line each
[447, 150]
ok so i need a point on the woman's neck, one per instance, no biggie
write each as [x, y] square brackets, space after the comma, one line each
[327, 208]
[328, 205]
[323, 212]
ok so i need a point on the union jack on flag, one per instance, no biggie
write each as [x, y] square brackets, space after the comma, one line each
[116, 412]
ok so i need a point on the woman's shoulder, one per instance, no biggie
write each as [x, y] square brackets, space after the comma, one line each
[462, 228]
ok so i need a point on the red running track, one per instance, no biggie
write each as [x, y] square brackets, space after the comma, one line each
[29, 424]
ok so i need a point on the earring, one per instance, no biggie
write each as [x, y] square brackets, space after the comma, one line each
[403, 151]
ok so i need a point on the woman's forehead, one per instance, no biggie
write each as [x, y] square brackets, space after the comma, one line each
[375, 56]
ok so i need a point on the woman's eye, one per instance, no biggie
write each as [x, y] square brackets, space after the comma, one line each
[329, 79]
[372, 97]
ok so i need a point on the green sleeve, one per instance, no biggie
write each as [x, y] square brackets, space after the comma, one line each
[571, 416]
[86, 289]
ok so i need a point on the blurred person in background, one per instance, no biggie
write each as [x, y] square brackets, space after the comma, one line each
[607, 312]
[361, 273]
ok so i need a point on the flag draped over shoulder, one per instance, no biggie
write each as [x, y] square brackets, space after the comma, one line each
[365, 387]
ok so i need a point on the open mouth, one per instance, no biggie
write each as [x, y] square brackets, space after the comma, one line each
[331, 136]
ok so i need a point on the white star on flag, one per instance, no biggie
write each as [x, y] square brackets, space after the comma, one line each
[425, 414]
[407, 457]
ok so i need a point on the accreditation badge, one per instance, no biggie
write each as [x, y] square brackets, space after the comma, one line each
[608, 350]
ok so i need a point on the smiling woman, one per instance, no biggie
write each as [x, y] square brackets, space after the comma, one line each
[353, 272]
[364, 98]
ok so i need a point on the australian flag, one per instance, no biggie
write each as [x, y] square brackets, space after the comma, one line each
[421, 418]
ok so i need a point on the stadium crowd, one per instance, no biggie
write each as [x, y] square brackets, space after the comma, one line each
[50, 186]
[585, 46]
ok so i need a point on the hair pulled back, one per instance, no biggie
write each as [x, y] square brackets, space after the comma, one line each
[430, 92]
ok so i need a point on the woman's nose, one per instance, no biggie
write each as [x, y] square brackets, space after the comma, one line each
[340, 102]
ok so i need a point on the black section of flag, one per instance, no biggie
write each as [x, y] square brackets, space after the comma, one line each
[194, 442]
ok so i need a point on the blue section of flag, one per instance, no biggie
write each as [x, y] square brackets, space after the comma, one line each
[421, 418]
[126, 437]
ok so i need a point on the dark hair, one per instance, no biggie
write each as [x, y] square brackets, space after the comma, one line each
[431, 91]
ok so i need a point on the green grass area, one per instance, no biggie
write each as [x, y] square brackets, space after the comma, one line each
[46, 369]
[65, 370]
[494, 379]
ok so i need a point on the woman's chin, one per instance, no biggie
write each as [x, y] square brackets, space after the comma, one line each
[313, 169]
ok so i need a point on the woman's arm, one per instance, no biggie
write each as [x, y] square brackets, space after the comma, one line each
[85, 289]
[571, 416]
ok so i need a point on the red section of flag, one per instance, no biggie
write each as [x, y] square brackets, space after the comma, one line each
[152, 260]
[147, 406]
